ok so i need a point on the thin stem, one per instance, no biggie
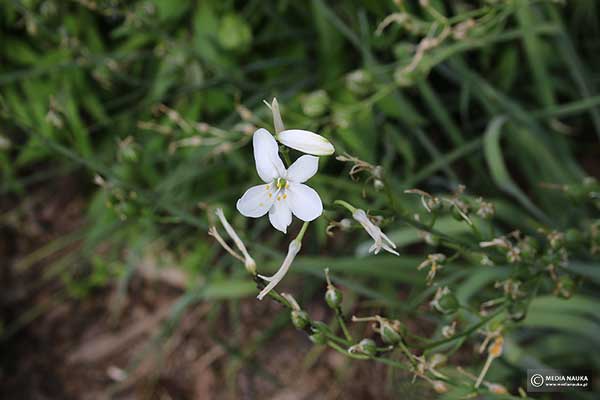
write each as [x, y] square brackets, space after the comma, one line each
[346, 205]
[340, 319]
[302, 231]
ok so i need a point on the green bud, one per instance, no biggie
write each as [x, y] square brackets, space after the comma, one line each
[390, 334]
[365, 347]
[318, 338]
[368, 347]
[359, 82]
[320, 332]
[315, 104]
[319, 326]
[300, 318]
[333, 297]
[445, 302]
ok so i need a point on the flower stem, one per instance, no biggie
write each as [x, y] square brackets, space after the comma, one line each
[302, 232]
[340, 319]
[346, 205]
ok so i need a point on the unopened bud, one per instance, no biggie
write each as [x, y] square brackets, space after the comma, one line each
[300, 318]
[390, 332]
[365, 346]
[439, 387]
[315, 104]
[445, 301]
[318, 338]
[320, 332]
[333, 297]
[306, 142]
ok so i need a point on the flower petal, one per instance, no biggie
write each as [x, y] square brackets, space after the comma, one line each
[256, 201]
[304, 201]
[280, 215]
[303, 169]
[266, 155]
[306, 142]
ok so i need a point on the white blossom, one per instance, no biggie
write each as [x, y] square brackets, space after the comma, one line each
[283, 192]
[380, 238]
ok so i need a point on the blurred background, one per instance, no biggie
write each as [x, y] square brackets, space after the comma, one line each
[125, 123]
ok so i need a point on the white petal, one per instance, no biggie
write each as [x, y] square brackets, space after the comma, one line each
[277, 122]
[280, 215]
[266, 155]
[306, 142]
[304, 201]
[303, 169]
[256, 201]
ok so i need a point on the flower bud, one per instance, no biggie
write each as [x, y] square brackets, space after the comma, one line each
[359, 82]
[390, 333]
[318, 338]
[315, 104]
[321, 331]
[365, 346]
[445, 301]
[306, 142]
[439, 387]
[300, 318]
[368, 346]
[333, 297]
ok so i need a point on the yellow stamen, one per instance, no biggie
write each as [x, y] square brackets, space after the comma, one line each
[278, 197]
[285, 196]
[268, 187]
[270, 195]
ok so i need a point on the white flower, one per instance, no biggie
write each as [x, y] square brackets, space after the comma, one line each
[283, 192]
[380, 238]
[306, 142]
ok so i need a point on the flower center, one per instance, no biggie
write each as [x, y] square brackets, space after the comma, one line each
[281, 183]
